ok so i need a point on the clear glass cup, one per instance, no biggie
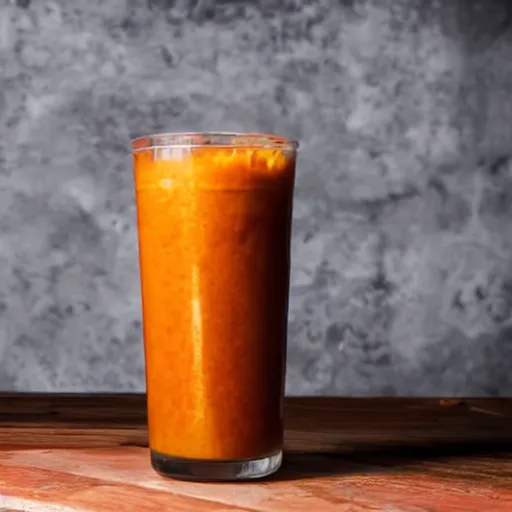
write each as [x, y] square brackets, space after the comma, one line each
[214, 221]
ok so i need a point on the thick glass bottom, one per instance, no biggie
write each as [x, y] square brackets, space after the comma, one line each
[215, 470]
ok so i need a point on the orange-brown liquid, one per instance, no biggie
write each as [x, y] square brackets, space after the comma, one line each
[214, 239]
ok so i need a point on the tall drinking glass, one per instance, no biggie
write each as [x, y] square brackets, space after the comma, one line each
[214, 218]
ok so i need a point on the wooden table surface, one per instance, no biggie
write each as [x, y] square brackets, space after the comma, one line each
[89, 453]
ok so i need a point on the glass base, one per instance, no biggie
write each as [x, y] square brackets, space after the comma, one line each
[215, 470]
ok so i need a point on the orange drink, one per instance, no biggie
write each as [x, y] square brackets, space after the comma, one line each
[214, 219]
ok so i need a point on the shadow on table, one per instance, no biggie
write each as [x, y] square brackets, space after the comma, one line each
[464, 461]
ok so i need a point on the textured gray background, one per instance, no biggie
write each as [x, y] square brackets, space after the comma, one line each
[402, 257]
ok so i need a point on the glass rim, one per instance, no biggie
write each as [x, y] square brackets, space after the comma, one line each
[212, 139]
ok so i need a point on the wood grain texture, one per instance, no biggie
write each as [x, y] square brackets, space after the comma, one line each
[103, 478]
[329, 425]
[87, 453]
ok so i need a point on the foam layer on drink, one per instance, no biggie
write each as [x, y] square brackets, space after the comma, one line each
[213, 167]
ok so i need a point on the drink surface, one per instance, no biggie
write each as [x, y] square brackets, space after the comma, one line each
[214, 239]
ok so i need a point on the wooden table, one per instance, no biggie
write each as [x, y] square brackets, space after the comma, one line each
[89, 453]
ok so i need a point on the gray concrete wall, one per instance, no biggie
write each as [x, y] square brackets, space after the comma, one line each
[402, 258]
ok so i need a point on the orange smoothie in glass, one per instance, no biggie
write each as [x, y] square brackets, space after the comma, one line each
[214, 220]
